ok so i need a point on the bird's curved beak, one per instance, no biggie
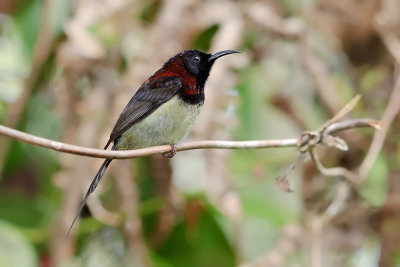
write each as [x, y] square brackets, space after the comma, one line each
[221, 54]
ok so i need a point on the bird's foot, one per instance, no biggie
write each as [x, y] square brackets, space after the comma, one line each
[171, 153]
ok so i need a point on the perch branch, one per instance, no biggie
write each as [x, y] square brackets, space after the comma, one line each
[98, 153]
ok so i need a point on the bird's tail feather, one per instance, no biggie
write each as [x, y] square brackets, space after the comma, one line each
[92, 187]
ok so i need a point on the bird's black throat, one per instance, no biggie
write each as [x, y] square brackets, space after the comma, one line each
[193, 99]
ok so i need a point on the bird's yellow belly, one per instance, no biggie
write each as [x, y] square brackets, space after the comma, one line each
[168, 124]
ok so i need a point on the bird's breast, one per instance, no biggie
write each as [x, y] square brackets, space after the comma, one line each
[168, 124]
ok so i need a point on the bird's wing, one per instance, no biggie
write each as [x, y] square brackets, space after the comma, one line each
[147, 99]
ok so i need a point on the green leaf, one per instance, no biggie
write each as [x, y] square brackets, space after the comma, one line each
[150, 11]
[28, 21]
[20, 210]
[201, 244]
[203, 40]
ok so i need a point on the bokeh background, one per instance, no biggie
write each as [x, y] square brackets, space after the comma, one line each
[67, 69]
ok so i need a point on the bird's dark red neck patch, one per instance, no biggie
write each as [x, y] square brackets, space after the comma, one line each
[192, 92]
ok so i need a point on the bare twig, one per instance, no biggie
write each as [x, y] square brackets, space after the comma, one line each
[337, 205]
[355, 123]
[342, 112]
[311, 138]
[101, 214]
[282, 180]
[98, 153]
[336, 171]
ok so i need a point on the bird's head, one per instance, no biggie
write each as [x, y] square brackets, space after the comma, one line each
[192, 64]
[199, 63]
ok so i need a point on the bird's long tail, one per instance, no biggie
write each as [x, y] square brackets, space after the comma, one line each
[92, 187]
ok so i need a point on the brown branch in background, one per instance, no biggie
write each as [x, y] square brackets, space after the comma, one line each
[132, 226]
[388, 116]
[386, 24]
[324, 84]
[41, 51]
[100, 213]
[338, 203]
[319, 221]
[317, 226]
[162, 172]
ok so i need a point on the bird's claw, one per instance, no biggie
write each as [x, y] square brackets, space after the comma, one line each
[171, 153]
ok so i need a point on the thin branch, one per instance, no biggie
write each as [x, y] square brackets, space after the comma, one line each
[98, 153]
[282, 180]
[342, 112]
[354, 123]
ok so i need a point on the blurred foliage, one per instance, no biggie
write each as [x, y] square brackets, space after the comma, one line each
[203, 40]
[15, 250]
[201, 244]
[14, 61]
[375, 188]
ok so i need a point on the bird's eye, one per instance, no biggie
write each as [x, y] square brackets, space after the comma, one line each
[196, 59]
